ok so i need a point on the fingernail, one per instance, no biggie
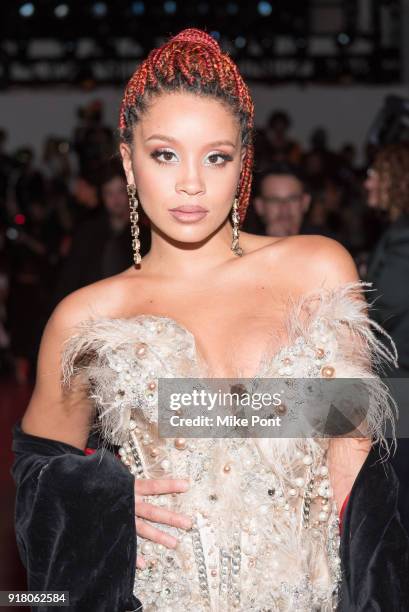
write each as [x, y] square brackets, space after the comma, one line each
[187, 524]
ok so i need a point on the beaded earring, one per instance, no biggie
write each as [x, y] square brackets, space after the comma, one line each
[133, 205]
[237, 250]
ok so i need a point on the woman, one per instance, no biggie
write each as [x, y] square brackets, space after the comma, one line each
[387, 186]
[221, 525]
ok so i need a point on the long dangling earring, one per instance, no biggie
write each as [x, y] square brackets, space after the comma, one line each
[237, 250]
[133, 205]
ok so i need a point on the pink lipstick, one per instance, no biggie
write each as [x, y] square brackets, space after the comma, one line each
[188, 213]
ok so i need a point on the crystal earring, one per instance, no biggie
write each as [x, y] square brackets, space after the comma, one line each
[237, 250]
[133, 205]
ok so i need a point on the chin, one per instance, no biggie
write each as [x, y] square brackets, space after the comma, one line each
[189, 232]
[188, 235]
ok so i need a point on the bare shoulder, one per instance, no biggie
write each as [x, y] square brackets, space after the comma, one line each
[102, 298]
[52, 412]
[253, 243]
[313, 261]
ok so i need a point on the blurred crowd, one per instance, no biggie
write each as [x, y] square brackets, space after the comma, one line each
[65, 220]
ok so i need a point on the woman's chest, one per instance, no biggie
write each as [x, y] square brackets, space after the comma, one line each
[232, 334]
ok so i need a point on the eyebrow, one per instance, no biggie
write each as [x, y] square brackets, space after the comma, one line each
[216, 143]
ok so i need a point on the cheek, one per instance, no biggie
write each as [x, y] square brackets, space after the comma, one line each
[152, 181]
[221, 184]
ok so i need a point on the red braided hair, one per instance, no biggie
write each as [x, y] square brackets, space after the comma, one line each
[193, 61]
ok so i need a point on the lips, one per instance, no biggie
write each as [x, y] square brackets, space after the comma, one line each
[189, 209]
[188, 213]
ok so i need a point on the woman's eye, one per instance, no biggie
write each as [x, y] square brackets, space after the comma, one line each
[218, 159]
[163, 156]
[214, 159]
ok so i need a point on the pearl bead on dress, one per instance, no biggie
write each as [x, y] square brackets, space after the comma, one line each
[180, 443]
[141, 349]
[328, 371]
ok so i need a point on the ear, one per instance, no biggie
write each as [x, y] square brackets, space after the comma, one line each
[126, 155]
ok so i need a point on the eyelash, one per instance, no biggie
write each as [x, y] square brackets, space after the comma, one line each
[155, 155]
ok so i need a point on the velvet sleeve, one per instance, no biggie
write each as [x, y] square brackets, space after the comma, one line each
[374, 544]
[75, 523]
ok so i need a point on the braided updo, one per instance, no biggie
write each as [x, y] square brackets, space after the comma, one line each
[193, 61]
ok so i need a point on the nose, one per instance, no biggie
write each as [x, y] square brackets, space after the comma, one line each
[190, 180]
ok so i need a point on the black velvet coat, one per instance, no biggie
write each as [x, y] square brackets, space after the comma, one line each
[75, 529]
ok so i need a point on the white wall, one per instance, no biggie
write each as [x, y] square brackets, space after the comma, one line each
[29, 115]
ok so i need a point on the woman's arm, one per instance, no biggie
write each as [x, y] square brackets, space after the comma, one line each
[75, 513]
[331, 266]
[53, 412]
[75, 523]
[61, 491]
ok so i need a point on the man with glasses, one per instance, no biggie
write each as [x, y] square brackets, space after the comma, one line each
[281, 199]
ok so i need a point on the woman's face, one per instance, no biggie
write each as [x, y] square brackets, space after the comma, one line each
[186, 156]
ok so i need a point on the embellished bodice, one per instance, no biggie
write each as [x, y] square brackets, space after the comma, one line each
[266, 530]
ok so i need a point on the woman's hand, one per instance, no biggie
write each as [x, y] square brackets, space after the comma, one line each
[144, 510]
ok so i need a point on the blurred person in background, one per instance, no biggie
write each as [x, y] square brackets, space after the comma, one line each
[326, 213]
[348, 154]
[387, 185]
[29, 182]
[30, 282]
[281, 201]
[102, 244]
[7, 166]
[56, 161]
[93, 141]
[274, 144]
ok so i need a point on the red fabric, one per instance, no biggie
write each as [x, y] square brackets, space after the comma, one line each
[341, 514]
[90, 451]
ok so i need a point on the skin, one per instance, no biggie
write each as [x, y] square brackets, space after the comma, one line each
[235, 307]
[282, 204]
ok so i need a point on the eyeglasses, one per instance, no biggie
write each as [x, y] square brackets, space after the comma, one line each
[294, 198]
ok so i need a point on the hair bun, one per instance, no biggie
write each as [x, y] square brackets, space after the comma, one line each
[193, 35]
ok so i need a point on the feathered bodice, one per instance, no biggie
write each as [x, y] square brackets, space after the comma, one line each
[266, 527]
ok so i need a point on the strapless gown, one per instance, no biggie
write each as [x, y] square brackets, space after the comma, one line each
[266, 526]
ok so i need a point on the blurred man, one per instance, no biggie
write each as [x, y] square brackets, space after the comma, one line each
[282, 201]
